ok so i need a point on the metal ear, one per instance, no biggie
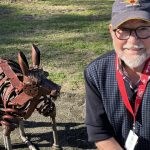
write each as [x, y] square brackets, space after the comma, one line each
[23, 63]
[35, 55]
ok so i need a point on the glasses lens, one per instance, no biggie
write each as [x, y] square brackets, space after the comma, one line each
[143, 32]
[122, 33]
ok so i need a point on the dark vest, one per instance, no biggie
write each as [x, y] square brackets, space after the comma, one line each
[104, 78]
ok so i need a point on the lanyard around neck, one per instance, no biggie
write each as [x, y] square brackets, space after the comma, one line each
[141, 89]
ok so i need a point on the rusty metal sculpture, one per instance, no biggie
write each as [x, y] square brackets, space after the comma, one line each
[22, 90]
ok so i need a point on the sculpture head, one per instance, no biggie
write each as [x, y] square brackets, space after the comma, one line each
[28, 86]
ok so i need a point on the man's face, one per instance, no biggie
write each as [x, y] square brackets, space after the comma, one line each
[134, 51]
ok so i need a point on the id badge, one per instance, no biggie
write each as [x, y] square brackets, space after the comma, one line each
[131, 141]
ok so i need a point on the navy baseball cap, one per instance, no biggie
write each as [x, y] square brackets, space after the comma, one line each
[124, 10]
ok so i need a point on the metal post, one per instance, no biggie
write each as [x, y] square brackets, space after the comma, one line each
[7, 140]
[23, 136]
[56, 145]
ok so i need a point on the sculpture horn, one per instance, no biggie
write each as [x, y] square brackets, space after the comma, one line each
[35, 55]
[23, 63]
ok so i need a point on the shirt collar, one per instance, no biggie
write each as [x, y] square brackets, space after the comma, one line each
[125, 75]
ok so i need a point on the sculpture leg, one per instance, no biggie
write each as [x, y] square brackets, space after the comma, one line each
[7, 142]
[23, 136]
[6, 138]
[56, 145]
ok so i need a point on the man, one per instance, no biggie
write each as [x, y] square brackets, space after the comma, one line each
[117, 83]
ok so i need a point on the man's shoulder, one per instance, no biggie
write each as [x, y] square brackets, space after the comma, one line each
[103, 60]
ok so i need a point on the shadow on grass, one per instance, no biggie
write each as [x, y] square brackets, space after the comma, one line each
[26, 23]
[25, 28]
[73, 136]
[79, 2]
[18, 25]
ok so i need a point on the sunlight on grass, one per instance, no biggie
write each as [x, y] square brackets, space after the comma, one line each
[70, 34]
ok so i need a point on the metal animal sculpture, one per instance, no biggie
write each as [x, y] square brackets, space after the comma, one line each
[22, 90]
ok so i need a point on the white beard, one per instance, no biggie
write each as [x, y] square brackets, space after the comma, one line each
[134, 61]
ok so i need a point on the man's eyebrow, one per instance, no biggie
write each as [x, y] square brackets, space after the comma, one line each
[126, 28]
[143, 21]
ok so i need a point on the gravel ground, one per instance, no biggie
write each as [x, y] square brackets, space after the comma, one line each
[70, 124]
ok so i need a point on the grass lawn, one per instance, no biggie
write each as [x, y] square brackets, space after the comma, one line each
[69, 33]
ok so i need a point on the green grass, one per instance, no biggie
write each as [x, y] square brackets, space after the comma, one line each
[70, 33]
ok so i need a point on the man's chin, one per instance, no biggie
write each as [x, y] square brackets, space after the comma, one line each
[134, 62]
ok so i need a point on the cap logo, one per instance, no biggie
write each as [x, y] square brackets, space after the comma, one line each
[131, 2]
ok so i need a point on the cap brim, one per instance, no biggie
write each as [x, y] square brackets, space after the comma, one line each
[121, 18]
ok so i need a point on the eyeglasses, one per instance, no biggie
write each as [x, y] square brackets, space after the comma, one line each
[142, 32]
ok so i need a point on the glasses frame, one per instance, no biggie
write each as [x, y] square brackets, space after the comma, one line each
[131, 30]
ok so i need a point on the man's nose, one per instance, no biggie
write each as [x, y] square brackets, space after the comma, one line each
[133, 34]
[133, 37]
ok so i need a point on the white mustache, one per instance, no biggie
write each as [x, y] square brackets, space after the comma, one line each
[133, 46]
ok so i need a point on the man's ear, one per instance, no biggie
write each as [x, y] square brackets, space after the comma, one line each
[111, 30]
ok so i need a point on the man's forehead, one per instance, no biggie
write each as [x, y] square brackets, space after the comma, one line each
[135, 23]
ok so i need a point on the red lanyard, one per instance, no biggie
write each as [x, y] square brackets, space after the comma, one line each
[141, 89]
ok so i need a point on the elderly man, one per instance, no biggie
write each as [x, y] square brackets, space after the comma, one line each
[117, 83]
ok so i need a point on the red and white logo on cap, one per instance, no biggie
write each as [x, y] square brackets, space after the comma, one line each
[131, 2]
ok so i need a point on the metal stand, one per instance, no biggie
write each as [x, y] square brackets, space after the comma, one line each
[55, 146]
[7, 140]
[23, 137]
